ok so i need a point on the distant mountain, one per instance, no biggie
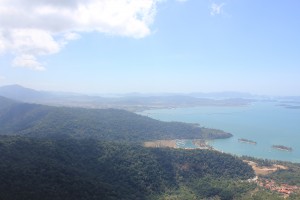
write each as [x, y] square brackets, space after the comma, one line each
[223, 95]
[291, 99]
[20, 93]
[131, 102]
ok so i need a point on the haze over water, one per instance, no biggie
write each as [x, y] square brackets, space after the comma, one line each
[266, 123]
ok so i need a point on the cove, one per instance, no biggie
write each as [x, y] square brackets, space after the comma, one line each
[267, 123]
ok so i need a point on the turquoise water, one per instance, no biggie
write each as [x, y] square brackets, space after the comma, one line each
[265, 123]
[185, 144]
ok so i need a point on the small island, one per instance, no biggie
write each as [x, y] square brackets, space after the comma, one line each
[247, 141]
[283, 148]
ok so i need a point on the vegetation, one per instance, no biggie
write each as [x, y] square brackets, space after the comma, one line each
[281, 147]
[247, 141]
[66, 168]
[74, 153]
[290, 176]
[261, 194]
[259, 162]
[106, 124]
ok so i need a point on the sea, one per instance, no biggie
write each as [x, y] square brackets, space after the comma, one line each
[266, 123]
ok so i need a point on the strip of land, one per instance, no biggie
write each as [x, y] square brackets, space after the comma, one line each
[161, 143]
[179, 143]
[264, 170]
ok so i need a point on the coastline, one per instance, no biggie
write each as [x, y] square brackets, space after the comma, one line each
[186, 144]
[261, 121]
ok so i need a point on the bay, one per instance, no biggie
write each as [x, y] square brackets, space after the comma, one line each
[264, 122]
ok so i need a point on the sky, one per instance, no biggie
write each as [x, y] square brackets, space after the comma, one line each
[151, 46]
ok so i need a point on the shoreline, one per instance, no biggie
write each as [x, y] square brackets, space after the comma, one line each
[180, 144]
[144, 108]
[199, 144]
[213, 117]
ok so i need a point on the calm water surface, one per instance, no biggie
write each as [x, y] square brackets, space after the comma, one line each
[265, 123]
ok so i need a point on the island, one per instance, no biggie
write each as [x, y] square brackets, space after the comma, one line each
[283, 148]
[247, 141]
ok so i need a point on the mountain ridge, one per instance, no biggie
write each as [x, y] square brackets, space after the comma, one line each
[135, 102]
[110, 124]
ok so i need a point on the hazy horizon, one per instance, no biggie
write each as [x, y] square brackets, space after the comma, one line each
[221, 94]
[153, 46]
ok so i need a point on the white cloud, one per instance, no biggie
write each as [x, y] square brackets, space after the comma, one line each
[2, 47]
[32, 41]
[216, 9]
[31, 28]
[71, 36]
[28, 61]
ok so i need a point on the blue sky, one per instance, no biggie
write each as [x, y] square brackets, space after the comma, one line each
[118, 46]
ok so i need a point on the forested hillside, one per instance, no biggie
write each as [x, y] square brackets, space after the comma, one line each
[75, 153]
[5, 103]
[66, 168]
[108, 124]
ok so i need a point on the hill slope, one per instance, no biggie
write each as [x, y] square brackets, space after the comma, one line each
[109, 124]
[66, 168]
[20, 93]
[74, 153]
